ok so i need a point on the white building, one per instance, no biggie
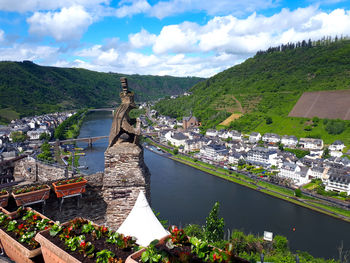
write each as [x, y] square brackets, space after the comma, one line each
[311, 143]
[337, 146]
[213, 152]
[271, 137]
[299, 174]
[289, 141]
[338, 182]
[318, 172]
[262, 156]
[35, 134]
[234, 157]
[194, 145]
[211, 133]
[176, 138]
[254, 137]
[235, 135]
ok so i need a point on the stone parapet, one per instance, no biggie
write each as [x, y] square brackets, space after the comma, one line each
[125, 176]
[33, 170]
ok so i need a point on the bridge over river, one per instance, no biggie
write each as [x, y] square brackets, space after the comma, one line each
[90, 140]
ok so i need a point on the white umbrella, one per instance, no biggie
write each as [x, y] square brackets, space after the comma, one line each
[142, 223]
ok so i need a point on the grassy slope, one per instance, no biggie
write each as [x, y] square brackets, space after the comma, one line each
[27, 88]
[269, 85]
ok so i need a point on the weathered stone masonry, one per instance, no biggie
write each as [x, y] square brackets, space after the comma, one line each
[124, 177]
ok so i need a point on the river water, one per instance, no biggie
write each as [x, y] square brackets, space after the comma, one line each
[185, 195]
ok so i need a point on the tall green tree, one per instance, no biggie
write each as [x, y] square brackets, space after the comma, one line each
[214, 225]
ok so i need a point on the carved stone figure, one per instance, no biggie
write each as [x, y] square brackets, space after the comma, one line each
[122, 129]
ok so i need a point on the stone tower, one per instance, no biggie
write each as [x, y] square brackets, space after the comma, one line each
[125, 171]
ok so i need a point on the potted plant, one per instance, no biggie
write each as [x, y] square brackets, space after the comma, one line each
[4, 198]
[17, 232]
[69, 187]
[177, 247]
[81, 240]
[29, 194]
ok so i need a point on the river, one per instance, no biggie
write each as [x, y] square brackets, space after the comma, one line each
[184, 195]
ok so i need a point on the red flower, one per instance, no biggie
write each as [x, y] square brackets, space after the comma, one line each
[82, 243]
[104, 229]
[35, 217]
[70, 228]
[67, 236]
[20, 226]
[215, 257]
[46, 227]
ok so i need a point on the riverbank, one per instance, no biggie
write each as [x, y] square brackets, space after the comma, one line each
[262, 186]
[70, 128]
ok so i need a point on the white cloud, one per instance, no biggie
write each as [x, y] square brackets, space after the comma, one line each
[230, 34]
[177, 38]
[133, 7]
[2, 35]
[66, 25]
[142, 39]
[45, 5]
[20, 52]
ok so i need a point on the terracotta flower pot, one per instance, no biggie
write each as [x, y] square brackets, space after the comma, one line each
[14, 249]
[4, 199]
[52, 253]
[69, 189]
[24, 198]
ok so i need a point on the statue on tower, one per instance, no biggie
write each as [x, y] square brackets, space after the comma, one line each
[123, 129]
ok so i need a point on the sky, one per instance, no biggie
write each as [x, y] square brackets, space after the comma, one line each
[168, 37]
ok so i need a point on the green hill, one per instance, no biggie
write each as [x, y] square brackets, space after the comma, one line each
[267, 86]
[28, 89]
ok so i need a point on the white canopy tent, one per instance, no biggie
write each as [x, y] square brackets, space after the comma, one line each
[142, 223]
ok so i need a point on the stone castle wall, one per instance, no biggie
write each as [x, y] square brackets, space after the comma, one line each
[109, 196]
[124, 177]
[33, 170]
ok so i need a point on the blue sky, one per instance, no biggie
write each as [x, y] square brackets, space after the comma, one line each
[168, 37]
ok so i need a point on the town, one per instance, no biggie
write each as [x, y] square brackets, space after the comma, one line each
[23, 136]
[287, 159]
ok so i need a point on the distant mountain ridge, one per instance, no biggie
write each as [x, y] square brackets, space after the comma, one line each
[28, 89]
[267, 86]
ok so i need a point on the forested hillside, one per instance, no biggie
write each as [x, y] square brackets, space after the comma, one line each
[28, 89]
[267, 86]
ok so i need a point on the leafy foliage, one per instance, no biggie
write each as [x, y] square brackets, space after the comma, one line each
[30, 89]
[214, 227]
[269, 85]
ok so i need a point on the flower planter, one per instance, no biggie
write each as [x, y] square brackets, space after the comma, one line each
[14, 249]
[4, 199]
[52, 253]
[70, 188]
[133, 258]
[55, 249]
[33, 196]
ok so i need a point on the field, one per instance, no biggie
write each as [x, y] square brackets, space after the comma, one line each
[323, 104]
[233, 117]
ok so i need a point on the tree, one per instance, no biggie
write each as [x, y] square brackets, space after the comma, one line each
[268, 120]
[214, 226]
[280, 243]
[326, 154]
[241, 162]
[18, 136]
[297, 192]
[45, 136]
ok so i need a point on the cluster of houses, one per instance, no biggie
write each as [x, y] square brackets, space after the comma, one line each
[33, 128]
[227, 148]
